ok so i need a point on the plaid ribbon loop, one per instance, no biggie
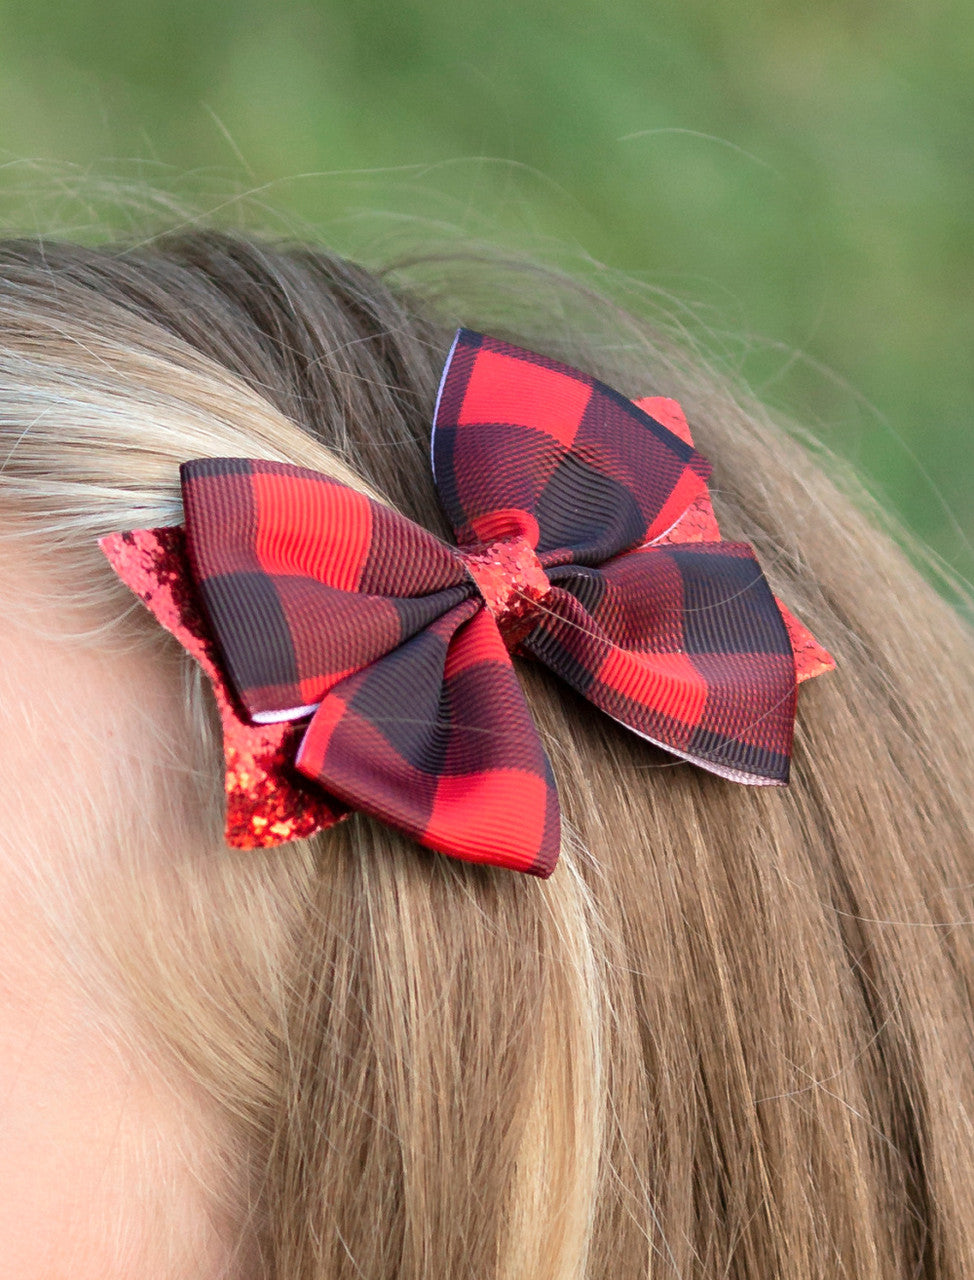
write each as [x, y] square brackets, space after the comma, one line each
[586, 541]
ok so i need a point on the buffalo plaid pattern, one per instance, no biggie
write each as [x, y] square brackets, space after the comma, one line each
[524, 445]
[328, 604]
[393, 649]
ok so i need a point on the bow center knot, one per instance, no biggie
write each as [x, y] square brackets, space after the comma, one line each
[512, 581]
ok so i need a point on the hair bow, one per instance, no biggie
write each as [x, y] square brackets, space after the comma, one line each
[359, 662]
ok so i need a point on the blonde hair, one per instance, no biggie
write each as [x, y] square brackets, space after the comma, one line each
[731, 1036]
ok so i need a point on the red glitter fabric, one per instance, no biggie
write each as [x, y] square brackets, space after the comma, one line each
[512, 582]
[268, 802]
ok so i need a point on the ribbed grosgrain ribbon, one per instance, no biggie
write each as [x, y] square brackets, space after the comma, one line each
[361, 663]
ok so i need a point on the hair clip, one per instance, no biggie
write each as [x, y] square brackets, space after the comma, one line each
[359, 662]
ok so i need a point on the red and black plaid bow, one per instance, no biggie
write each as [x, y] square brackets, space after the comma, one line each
[389, 651]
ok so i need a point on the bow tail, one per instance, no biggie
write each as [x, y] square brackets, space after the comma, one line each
[686, 646]
[436, 739]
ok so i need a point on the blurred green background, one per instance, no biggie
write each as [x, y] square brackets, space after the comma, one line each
[800, 175]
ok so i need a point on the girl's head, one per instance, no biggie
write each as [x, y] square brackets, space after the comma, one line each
[729, 1036]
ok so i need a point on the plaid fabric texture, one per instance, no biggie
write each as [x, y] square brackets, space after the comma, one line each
[396, 648]
[684, 645]
[524, 445]
[327, 602]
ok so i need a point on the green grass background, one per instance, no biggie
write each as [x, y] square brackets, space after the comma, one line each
[800, 173]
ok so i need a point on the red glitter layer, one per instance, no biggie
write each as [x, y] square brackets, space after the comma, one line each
[268, 802]
[511, 580]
